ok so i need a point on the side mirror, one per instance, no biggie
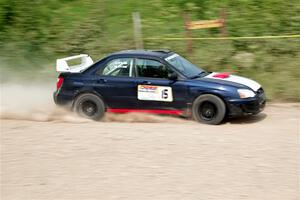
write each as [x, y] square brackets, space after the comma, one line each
[173, 76]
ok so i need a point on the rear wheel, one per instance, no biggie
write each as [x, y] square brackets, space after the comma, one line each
[209, 109]
[89, 106]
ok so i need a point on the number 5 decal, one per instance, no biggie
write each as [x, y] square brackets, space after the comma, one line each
[164, 94]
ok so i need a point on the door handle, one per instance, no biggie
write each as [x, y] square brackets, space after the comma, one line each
[146, 82]
[101, 80]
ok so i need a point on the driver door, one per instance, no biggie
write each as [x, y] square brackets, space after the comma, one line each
[155, 90]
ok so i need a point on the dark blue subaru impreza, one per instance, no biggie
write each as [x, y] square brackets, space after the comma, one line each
[156, 81]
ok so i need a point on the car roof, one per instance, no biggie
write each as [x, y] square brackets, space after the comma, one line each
[155, 53]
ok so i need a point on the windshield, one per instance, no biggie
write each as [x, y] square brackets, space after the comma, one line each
[184, 66]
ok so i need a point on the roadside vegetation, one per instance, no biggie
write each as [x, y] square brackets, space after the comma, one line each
[34, 33]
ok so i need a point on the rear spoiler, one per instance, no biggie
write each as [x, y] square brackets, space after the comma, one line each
[63, 66]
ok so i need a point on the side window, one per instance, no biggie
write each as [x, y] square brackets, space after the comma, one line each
[152, 69]
[118, 67]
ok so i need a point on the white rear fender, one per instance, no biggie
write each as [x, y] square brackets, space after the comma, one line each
[63, 66]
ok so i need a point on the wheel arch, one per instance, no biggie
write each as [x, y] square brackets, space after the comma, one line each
[215, 93]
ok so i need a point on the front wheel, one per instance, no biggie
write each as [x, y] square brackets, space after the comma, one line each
[209, 109]
[89, 106]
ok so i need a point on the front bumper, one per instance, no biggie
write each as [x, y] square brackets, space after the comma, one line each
[249, 106]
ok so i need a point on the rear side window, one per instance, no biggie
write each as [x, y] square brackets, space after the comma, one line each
[118, 67]
[152, 69]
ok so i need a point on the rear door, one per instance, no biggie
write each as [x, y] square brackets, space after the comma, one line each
[115, 82]
[154, 89]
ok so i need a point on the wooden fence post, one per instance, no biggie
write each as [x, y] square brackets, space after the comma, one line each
[188, 34]
[137, 30]
[223, 20]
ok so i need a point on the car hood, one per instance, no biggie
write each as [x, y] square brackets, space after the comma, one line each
[229, 79]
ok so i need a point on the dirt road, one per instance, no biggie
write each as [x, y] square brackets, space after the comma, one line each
[253, 158]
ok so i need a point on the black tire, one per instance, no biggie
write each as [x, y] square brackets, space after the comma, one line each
[89, 106]
[209, 109]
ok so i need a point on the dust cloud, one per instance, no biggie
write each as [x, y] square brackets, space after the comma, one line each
[34, 102]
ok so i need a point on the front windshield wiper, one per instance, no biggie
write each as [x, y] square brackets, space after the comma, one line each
[200, 75]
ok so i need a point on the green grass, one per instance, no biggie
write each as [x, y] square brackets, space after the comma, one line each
[34, 34]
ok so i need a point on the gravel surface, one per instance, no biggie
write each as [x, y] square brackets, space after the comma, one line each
[251, 158]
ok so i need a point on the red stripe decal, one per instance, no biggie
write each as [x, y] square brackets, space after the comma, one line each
[163, 112]
[222, 75]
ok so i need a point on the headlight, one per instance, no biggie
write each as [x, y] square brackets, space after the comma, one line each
[245, 93]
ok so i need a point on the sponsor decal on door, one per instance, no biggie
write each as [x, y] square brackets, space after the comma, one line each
[155, 93]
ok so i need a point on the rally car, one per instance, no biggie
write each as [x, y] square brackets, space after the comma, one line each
[154, 81]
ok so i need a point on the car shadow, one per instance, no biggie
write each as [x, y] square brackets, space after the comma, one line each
[247, 119]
